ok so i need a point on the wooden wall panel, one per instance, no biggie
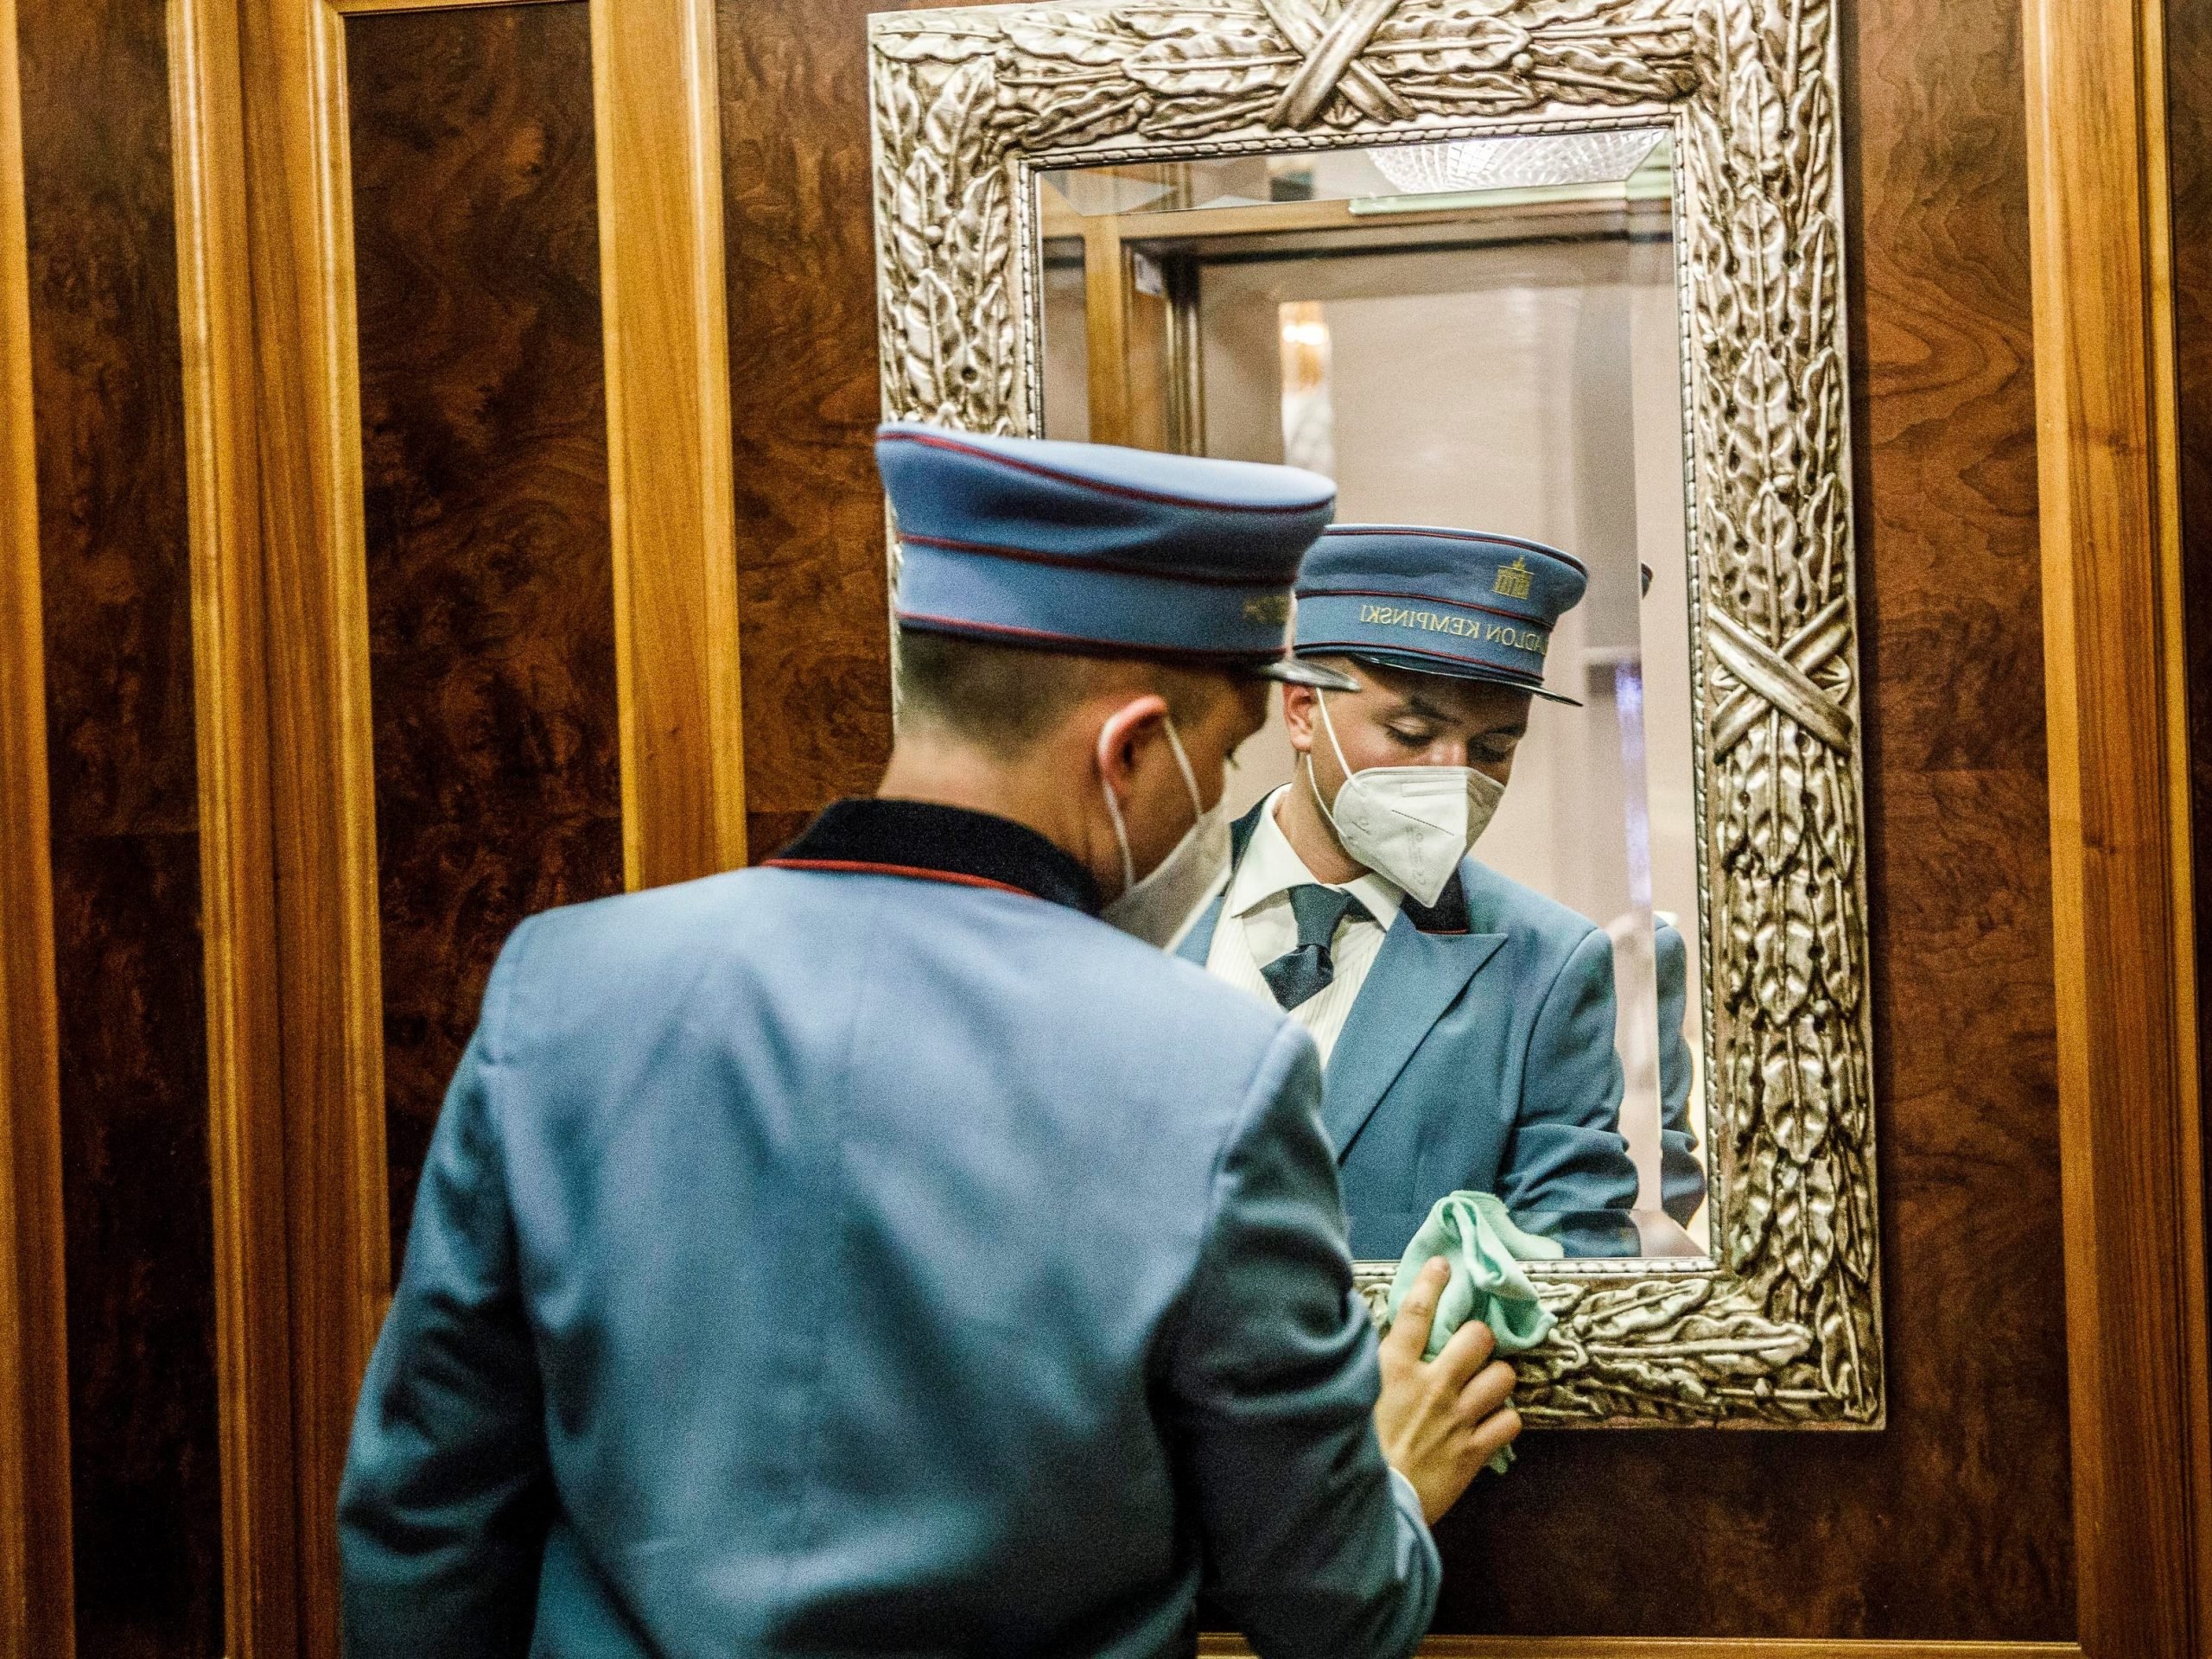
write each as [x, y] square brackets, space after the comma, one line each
[2115, 677]
[801, 263]
[36, 1610]
[2189, 79]
[489, 578]
[2188, 76]
[1954, 1521]
[145, 1466]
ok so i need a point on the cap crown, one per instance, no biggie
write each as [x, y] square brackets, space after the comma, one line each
[1091, 544]
[1451, 601]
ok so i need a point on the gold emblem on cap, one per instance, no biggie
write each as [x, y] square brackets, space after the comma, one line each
[1513, 580]
[1268, 608]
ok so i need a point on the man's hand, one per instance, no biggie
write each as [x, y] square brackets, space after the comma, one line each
[1442, 1419]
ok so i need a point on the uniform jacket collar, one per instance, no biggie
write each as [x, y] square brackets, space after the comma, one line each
[1447, 915]
[1267, 864]
[1426, 961]
[929, 843]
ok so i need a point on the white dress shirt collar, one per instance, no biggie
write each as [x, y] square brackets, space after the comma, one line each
[1271, 865]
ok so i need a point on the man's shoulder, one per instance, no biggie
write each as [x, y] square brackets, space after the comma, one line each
[1185, 988]
[1133, 994]
[1014, 947]
[657, 920]
[1498, 904]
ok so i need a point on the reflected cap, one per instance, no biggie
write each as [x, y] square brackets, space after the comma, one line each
[1457, 602]
[1087, 547]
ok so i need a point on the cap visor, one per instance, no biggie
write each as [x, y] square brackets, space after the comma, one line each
[1290, 671]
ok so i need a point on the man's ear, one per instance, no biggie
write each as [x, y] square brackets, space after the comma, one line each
[1125, 730]
[1297, 715]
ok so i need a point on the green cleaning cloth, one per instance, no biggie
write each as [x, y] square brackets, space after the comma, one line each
[1472, 1231]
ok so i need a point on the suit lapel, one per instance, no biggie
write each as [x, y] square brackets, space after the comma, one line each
[1199, 942]
[1416, 976]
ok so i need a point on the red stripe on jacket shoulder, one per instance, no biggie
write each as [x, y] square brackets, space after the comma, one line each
[912, 872]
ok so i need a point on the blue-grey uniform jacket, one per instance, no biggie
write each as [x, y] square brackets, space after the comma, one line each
[866, 1256]
[1480, 1054]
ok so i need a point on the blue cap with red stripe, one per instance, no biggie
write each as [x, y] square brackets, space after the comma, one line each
[1459, 602]
[1091, 548]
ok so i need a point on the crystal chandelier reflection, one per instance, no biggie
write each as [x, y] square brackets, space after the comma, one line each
[1518, 163]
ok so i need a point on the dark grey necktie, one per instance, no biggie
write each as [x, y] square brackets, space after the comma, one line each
[1305, 971]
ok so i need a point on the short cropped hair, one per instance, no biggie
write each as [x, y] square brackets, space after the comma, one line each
[1006, 699]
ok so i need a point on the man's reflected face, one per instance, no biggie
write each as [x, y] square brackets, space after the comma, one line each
[1404, 718]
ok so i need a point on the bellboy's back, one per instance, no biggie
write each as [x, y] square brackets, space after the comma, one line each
[963, 1147]
[880, 1253]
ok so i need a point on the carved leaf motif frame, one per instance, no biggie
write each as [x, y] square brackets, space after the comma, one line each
[969, 104]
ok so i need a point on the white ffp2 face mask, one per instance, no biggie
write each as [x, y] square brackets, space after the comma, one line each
[1409, 825]
[1154, 909]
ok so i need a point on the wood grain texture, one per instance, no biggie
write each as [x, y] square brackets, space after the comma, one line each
[320, 747]
[2188, 82]
[35, 1592]
[237, 877]
[146, 1485]
[813, 589]
[2116, 683]
[1106, 303]
[490, 580]
[675, 588]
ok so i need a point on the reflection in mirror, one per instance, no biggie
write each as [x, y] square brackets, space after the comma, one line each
[1482, 334]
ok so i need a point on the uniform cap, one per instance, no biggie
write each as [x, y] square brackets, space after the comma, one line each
[1082, 547]
[1457, 602]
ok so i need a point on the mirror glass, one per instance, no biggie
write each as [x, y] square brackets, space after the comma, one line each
[1483, 335]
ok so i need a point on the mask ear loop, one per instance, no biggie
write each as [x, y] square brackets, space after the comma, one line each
[1114, 813]
[1313, 783]
[1113, 806]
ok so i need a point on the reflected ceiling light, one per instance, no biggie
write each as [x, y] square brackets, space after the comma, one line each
[1536, 161]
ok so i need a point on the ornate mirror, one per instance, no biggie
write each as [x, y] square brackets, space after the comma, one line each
[1566, 272]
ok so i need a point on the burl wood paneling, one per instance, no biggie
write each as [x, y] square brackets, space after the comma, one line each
[113, 545]
[803, 406]
[1954, 1521]
[2188, 76]
[490, 601]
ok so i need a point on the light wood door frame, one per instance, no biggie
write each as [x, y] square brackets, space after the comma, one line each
[281, 662]
[2132, 1174]
[37, 1603]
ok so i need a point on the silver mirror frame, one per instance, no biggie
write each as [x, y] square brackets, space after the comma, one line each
[1785, 1328]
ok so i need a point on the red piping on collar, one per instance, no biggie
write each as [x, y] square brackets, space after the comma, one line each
[911, 871]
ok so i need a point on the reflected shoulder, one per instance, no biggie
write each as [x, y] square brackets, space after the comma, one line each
[1498, 904]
